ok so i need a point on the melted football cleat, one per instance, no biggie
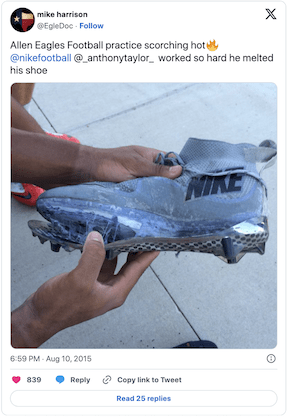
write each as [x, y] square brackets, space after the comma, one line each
[218, 205]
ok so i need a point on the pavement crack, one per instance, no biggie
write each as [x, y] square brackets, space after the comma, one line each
[132, 108]
[44, 115]
[174, 301]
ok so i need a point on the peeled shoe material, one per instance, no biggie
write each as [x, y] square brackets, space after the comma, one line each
[218, 205]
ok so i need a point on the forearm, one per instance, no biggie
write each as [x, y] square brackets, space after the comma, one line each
[38, 319]
[48, 162]
[27, 331]
[51, 162]
[21, 119]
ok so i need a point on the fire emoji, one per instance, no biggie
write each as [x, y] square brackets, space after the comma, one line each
[211, 46]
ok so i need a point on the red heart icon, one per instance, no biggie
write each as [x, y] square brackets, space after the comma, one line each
[16, 379]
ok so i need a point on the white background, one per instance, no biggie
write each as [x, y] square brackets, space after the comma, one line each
[241, 29]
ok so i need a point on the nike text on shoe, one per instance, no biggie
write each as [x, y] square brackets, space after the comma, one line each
[218, 205]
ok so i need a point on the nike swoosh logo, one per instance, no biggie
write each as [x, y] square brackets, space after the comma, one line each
[26, 197]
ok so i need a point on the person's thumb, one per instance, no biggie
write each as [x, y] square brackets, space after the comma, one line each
[92, 257]
[157, 170]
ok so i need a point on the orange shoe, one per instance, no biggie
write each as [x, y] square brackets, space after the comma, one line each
[64, 137]
[31, 192]
[29, 195]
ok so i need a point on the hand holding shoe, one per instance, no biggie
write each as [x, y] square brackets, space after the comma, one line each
[88, 291]
[126, 163]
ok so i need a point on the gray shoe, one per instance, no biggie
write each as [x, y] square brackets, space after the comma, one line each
[218, 205]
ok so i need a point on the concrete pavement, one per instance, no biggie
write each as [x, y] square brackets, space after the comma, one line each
[180, 298]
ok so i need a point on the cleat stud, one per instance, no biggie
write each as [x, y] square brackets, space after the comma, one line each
[261, 248]
[55, 247]
[232, 254]
[68, 248]
[228, 248]
[232, 261]
[42, 240]
[34, 234]
[109, 254]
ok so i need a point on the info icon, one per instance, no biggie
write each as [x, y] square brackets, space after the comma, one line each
[22, 20]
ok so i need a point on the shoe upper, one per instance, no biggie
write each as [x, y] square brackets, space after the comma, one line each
[219, 181]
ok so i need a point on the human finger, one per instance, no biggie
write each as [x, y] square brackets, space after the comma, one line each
[132, 271]
[92, 258]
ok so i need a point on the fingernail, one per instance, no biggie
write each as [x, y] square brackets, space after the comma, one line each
[175, 169]
[95, 236]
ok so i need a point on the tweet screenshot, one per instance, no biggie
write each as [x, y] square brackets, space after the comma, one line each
[143, 208]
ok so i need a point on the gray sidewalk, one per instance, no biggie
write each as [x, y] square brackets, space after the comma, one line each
[182, 298]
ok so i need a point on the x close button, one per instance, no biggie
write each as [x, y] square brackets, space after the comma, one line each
[270, 14]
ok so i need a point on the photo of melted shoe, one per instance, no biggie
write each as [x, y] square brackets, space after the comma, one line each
[218, 205]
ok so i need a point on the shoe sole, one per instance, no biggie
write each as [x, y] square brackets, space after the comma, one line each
[230, 244]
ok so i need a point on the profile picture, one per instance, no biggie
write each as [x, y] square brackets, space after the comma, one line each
[22, 20]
